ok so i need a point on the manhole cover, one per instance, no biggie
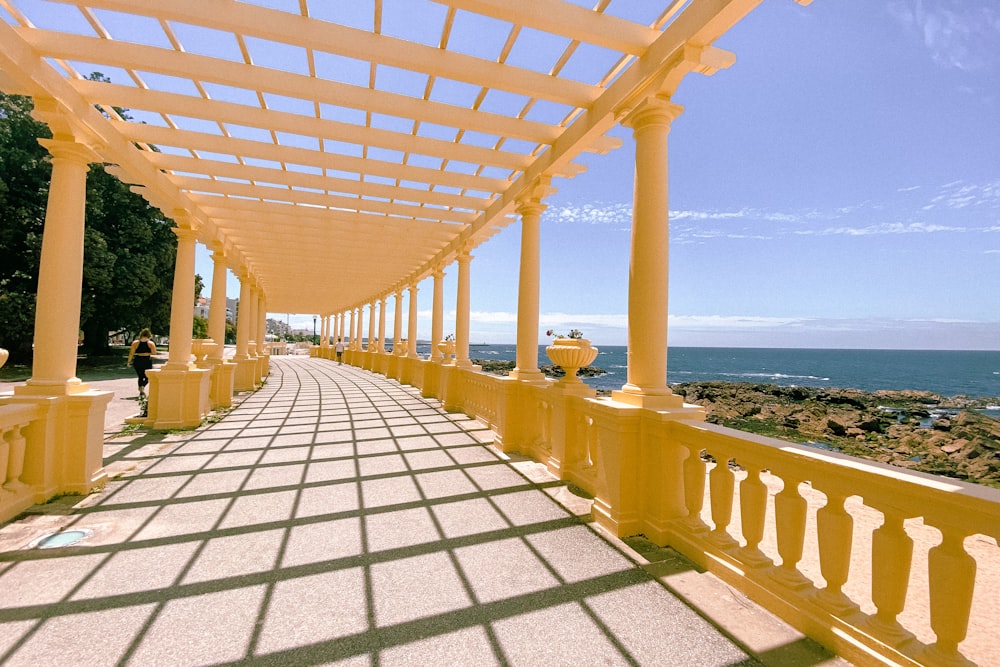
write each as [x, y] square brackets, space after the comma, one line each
[63, 538]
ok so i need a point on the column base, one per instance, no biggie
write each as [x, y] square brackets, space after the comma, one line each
[178, 399]
[35, 387]
[527, 375]
[247, 378]
[221, 385]
[636, 396]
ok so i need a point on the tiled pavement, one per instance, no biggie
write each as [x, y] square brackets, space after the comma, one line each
[333, 517]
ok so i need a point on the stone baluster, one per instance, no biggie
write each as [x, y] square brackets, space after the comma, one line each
[952, 577]
[892, 554]
[790, 521]
[753, 512]
[835, 530]
[694, 489]
[14, 446]
[721, 489]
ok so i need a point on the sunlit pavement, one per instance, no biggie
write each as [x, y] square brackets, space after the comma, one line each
[333, 517]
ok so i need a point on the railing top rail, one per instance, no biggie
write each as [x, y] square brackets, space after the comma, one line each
[14, 414]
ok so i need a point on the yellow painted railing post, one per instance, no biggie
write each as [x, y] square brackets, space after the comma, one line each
[753, 513]
[721, 492]
[952, 581]
[892, 553]
[835, 532]
[790, 522]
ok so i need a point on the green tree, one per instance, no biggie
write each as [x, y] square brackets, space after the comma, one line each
[200, 327]
[24, 185]
[129, 248]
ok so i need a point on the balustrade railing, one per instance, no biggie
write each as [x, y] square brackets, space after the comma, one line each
[874, 561]
[15, 494]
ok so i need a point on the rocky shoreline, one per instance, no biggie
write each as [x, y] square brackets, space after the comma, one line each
[919, 430]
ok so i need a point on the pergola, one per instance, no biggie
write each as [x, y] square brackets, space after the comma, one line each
[375, 141]
[376, 138]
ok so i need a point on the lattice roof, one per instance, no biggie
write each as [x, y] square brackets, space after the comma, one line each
[342, 150]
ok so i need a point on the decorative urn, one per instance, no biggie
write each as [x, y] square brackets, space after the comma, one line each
[447, 348]
[571, 354]
[3, 356]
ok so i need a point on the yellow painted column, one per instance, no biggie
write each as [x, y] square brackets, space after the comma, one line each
[221, 386]
[340, 326]
[372, 345]
[527, 292]
[60, 274]
[246, 365]
[359, 325]
[381, 324]
[411, 325]
[217, 312]
[462, 305]
[437, 317]
[648, 266]
[397, 324]
[243, 319]
[252, 320]
[352, 341]
[261, 320]
[182, 302]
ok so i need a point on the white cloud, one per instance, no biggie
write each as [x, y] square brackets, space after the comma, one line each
[959, 34]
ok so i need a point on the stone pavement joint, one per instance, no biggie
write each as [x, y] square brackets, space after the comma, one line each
[336, 517]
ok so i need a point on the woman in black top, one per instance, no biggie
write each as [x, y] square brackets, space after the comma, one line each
[141, 353]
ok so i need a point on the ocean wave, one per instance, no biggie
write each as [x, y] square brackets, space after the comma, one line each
[776, 376]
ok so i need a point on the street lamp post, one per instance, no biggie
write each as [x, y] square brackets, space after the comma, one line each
[315, 335]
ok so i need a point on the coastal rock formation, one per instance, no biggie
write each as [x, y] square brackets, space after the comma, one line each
[911, 429]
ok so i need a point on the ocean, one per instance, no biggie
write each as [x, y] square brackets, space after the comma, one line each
[949, 373]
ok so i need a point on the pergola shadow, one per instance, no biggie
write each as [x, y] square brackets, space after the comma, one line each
[337, 517]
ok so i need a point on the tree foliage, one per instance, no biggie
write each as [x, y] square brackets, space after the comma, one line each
[129, 248]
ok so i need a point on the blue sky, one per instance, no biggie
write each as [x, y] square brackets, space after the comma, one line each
[839, 186]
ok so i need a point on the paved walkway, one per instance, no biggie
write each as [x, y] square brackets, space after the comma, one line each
[334, 517]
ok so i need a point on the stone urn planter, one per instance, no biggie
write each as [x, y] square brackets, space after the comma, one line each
[571, 354]
[447, 348]
[201, 348]
[3, 356]
[401, 349]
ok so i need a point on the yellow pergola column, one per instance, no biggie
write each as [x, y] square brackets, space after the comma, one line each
[411, 325]
[263, 351]
[65, 444]
[252, 319]
[179, 392]
[646, 385]
[324, 342]
[437, 316]
[462, 305]
[397, 324]
[245, 364]
[528, 288]
[340, 326]
[381, 324]
[349, 334]
[60, 274]
[221, 385]
[372, 345]
[354, 329]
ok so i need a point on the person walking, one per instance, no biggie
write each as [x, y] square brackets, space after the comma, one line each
[339, 349]
[140, 356]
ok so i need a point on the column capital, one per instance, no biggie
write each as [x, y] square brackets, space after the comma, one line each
[531, 198]
[185, 233]
[72, 151]
[653, 110]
